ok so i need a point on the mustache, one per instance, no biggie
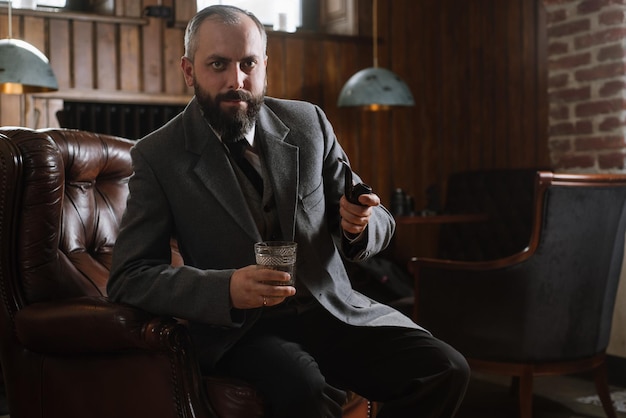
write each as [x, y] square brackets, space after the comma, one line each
[234, 95]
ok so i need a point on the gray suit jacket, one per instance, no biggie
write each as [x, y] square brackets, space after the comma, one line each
[184, 186]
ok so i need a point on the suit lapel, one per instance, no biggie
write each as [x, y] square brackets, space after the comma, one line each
[214, 170]
[281, 161]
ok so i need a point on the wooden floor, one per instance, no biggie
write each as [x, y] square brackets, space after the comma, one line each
[554, 397]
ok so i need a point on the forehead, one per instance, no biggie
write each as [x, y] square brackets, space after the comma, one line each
[231, 40]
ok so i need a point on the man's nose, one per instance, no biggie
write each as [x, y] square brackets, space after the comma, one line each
[236, 78]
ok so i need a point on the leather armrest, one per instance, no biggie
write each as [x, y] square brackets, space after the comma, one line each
[93, 325]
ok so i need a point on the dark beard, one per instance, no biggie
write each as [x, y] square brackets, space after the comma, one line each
[232, 125]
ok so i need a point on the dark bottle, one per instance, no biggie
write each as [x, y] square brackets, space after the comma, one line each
[398, 203]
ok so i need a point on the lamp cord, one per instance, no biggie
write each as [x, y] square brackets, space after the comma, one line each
[375, 31]
[10, 20]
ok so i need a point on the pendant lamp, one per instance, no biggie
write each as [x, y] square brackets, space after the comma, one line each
[375, 88]
[24, 68]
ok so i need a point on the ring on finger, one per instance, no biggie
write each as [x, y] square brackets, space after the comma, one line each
[264, 301]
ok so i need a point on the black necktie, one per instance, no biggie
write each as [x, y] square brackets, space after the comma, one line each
[237, 150]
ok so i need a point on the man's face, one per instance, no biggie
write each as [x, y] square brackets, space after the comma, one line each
[228, 75]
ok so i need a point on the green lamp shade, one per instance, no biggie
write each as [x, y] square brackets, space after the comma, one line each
[24, 69]
[375, 88]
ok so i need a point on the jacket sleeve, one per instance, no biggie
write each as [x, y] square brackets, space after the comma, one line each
[141, 271]
[381, 227]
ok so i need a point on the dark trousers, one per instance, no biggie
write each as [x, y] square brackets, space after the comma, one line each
[301, 363]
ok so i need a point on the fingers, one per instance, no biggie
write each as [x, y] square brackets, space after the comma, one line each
[271, 300]
[354, 218]
[249, 287]
[370, 199]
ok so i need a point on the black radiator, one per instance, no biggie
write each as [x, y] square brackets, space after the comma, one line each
[131, 121]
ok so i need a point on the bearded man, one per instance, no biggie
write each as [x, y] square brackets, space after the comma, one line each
[234, 168]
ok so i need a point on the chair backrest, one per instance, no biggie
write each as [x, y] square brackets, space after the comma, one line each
[62, 196]
[578, 248]
[552, 300]
[505, 196]
[67, 191]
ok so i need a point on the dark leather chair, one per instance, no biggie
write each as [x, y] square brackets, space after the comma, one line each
[66, 350]
[547, 309]
[505, 196]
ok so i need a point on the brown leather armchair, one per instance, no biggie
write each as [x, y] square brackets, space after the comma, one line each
[66, 350]
[547, 309]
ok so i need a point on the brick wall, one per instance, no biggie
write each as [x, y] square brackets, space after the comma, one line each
[587, 84]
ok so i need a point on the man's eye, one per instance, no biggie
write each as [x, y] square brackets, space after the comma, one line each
[217, 65]
[248, 65]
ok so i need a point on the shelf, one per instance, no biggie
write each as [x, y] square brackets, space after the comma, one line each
[69, 15]
[103, 96]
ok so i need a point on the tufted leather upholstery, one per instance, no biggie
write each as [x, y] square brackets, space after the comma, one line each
[66, 350]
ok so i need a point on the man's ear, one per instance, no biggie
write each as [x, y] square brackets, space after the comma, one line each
[187, 67]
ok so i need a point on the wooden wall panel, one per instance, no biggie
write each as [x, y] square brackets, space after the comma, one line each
[33, 31]
[83, 51]
[312, 75]
[44, 113]
[184, 10]
[130, 50]
[276, 69]
[295, 61]
[480, 86]
[152, 54]
[477, 69]
[174, 49]
[339, 16]
[131, 8]
[59, 54]
[107, 65]
[11, 110]
[343, 58]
